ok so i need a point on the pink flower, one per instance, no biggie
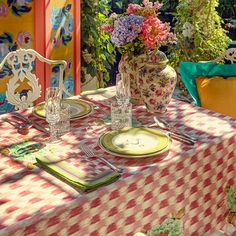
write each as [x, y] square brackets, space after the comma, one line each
[55, 40]
[107, 28]
[154, 5]
[3, 9]
[132, 8]
[140, 81]
[154, 32]
[24, 39]
[146, 3]
[152, 101]
[153, 58]
[158, 93]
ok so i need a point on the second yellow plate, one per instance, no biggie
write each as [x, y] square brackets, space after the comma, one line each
[78, 108]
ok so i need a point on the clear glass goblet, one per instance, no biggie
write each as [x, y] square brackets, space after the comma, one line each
[52, 109]
[122, 89]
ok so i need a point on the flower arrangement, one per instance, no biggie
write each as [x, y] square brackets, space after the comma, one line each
[138, 29]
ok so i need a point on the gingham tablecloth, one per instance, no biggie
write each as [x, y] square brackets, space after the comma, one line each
[33, 202]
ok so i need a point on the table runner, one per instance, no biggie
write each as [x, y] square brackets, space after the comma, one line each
[33, 202]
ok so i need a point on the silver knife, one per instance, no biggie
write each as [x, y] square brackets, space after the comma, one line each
[180, 138]
[176, 136]
[30, 122]
[115, 168]
[173, 129]
[39, 127]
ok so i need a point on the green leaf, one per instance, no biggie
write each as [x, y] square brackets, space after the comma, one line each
[110, 48]
[106, 77]
[92, 70]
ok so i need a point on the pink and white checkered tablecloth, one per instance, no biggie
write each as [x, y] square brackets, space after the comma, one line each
[33, 202]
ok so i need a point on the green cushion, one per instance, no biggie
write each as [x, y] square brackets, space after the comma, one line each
[189, 71]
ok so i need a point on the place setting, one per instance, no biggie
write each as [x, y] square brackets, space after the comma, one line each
[78, 108]
[124, 140]
[58, 112]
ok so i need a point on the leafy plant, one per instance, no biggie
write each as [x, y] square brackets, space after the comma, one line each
[200, 36]
[98, 54]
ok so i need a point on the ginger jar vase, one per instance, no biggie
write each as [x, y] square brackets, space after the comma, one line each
[155, 80]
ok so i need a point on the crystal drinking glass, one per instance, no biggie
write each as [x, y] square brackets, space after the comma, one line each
[121, 115]
[122, 89]
[52, 109]
[63, 125]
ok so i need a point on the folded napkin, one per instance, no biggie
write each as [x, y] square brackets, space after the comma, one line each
[25, 151]
[75, 177]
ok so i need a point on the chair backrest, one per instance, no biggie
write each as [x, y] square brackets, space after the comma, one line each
[22, 63]
[229, 54]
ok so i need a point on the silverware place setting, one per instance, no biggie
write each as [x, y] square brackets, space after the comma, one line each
[90, 153]
[174, 133]
[29, 122]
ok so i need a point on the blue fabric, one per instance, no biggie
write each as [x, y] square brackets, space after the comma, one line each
[189, 71]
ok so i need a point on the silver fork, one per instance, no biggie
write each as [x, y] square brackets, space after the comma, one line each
[90, 153]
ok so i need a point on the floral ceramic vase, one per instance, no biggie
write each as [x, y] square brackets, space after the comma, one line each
[157, 81]
[151, 79]
[129, 67]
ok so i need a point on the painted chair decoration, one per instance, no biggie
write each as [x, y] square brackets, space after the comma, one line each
[229, 54]
[21, 62]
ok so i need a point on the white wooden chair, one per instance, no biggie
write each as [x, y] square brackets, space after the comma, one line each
[229, 54]
[21, 63]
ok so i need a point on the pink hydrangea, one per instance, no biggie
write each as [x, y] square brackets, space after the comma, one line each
[132, 8]
[107, 28]
[154, 32]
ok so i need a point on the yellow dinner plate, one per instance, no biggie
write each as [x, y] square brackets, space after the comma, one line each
[135, 141]
[78, 108]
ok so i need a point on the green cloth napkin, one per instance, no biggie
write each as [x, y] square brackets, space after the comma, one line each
[25, 151]
[70, 174]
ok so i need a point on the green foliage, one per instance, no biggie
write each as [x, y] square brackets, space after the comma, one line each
[169, 5]
[119, 6]
[231, 198]
[98, 54]
[200, 35]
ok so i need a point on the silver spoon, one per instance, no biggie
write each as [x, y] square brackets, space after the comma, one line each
[21, 128]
